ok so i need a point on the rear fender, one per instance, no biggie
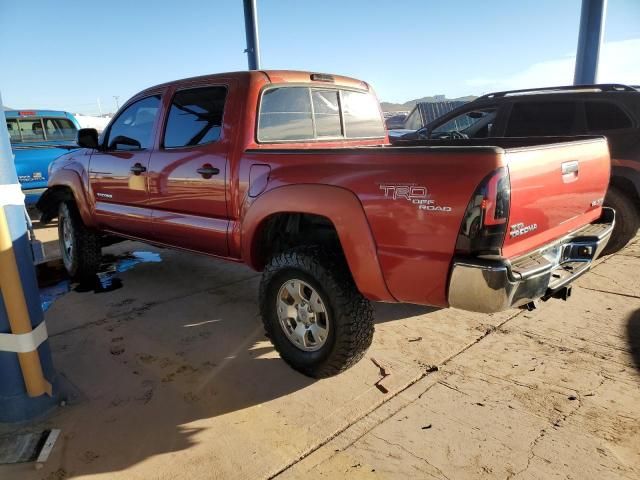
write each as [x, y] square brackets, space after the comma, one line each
[338, 205]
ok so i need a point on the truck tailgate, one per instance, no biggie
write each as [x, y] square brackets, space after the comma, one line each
[555, 189]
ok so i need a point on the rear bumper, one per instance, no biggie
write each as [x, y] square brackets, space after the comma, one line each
[492, 285]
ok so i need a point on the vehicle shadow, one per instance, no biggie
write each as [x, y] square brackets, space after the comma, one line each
[633, 337]
[174, 356]
[388, 312]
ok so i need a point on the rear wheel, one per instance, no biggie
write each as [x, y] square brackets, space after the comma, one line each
[313, 313]
[79, 246]
[627, 219]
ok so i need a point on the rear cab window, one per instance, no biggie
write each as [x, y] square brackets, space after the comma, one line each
[41, 129]
[301, 113]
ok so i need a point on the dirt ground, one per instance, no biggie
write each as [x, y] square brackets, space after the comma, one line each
[169, 376]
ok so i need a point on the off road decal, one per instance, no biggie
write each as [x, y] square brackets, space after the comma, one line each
[416, 194]
[519, 229]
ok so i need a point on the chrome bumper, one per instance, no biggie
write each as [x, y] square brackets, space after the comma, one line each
[492, 285]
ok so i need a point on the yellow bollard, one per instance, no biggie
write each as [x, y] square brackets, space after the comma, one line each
[16, 307]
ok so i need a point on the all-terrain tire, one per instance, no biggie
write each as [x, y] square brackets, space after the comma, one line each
[79, 246]
[350, 314]
[627, 219]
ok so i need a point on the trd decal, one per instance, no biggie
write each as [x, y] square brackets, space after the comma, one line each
[519, 229]
[416, 194]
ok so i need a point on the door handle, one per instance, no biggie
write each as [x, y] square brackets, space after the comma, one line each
[208, 171]
[138, 168]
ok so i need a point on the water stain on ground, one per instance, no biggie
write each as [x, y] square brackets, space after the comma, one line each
[54, 282]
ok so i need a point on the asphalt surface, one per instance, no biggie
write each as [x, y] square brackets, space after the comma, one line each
[168, 375]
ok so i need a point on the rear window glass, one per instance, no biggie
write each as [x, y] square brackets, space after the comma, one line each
[25, 130]
[285, 114]
[541, 119]
[14, 130]
[195, 117]
[361, 115]
[59, 129]
[605, 116]
[30, 130]
[326, 112]
[303, 113]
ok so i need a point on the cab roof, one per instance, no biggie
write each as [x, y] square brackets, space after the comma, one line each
[272, 76]
[24, 112]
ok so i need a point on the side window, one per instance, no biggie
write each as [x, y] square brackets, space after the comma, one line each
[413, 121]
[195, 117]
[362, 118]
[476, 124]
[133, 128]
[285, 114]
[530, 119]
[326, 113]
[605, 116]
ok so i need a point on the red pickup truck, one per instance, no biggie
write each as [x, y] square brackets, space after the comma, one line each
[292, 174]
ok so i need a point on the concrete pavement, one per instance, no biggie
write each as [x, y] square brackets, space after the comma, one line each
[171, 376]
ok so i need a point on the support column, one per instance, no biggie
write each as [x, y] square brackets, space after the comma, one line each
[26, 369]
[251, 30]
[592, 19]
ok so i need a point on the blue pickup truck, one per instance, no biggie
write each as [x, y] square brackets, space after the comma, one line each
[37, 138]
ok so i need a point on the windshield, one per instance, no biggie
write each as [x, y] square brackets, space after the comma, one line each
[36, 129]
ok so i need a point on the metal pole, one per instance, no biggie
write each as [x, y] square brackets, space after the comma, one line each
[26, 369]
[251, 30]
[592, 18]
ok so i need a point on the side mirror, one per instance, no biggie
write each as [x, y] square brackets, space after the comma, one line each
[423, 134]
[88, 138]
[124, 141]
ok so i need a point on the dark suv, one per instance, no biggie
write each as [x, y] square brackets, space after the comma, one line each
[611, 110]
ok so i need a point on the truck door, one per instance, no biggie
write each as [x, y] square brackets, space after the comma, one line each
[188, 173]
[118, 173]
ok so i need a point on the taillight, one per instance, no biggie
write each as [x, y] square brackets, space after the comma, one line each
[485, 221]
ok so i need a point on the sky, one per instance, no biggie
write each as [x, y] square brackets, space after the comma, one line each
[76, 55]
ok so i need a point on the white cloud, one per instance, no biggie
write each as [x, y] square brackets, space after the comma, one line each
[619, 63]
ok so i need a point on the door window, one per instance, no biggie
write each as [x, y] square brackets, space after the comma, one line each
[475, 124]
[603, 116]
[531, 119]
[195, 117]
[133, 128]
[413, 121]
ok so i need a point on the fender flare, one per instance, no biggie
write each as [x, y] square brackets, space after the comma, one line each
[627, 173]
[70, 179]
[338, 205]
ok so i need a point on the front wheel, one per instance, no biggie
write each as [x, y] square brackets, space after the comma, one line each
[317, 320]
[79, 247]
